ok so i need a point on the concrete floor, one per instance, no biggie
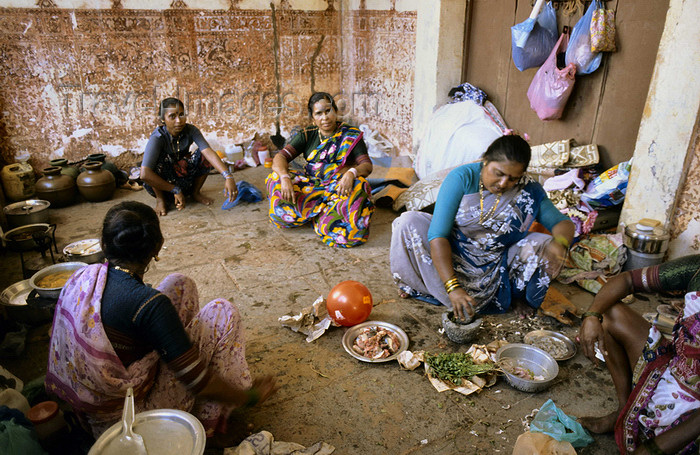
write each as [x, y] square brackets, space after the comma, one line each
[326, 395]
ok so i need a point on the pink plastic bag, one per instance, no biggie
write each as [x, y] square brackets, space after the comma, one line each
[551, 86]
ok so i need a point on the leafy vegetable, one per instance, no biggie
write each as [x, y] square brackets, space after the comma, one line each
[456, 366]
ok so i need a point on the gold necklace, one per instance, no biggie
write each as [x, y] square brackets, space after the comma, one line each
[485, 216]
[125, 270]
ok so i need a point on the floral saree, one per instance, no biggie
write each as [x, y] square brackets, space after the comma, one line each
[339, 221]
[494, 260]
[666, 382]
[85, 371]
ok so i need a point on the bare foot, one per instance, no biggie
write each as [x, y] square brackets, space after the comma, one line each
[600, 425]
[161, 208]
[522, 309]
[202, 199]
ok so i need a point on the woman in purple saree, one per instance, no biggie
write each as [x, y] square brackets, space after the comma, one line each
[111, 332]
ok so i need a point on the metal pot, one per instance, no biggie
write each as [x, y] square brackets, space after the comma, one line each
[14, 300]
[31, 211]
[646, 239]
[88, 251]
[28, 238]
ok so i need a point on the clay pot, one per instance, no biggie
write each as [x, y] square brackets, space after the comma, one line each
[55, 187]
[95, 183]
[106, 165]
[66, 169]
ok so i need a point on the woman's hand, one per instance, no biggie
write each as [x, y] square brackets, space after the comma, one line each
[230, 189]
[287, 190]
[462, 304]
[345, 184]
[555, 253]
[591, 332]
[265, 386]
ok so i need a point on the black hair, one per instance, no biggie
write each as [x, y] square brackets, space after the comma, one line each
[509, 148]
[130, 233]
[318, 96]
[169, 102]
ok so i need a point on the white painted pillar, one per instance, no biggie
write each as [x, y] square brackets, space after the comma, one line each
[439, 54]
[664, 142]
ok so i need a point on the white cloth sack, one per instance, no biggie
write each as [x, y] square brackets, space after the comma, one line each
[456, 134]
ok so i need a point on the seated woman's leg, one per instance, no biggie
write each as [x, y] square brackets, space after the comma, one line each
[344, 222]
[625, 334]
[163, 199]
[197, 190]
[529, 269]
[285, 214]
[411, 264]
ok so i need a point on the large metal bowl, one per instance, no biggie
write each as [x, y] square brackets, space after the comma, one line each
[530, 358]
[53, 293]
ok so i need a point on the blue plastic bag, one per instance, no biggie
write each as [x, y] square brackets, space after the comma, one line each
[246, 193]
[579, 50]
[552, 421]
[533, 39]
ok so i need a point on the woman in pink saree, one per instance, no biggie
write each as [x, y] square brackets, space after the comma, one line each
[111, 332]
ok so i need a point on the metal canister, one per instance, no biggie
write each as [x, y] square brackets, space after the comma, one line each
[647, 239]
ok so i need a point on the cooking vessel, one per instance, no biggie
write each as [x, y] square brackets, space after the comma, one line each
[646, 239]
[29, 237]
[53, 293]
[88, 251]
[31, 211]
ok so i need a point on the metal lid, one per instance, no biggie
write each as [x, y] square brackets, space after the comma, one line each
[26, 207]
[645, 232]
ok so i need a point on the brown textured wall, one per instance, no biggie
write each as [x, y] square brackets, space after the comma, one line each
[687, 215]
[74, 82]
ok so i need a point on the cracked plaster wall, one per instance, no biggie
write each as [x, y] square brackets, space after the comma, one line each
[78, 80]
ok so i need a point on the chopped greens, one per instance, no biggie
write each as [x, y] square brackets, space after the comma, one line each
[456, 366]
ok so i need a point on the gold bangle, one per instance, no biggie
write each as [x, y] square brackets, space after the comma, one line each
[592, 313]
[563, 241]
[452, 287]
[449, 291]
[450, 283]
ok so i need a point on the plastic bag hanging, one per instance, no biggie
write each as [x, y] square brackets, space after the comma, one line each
[532, 39]
[579, 51]
[603, 29]
[551, 86]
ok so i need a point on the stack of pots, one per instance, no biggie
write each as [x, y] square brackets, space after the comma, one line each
[56, 187]
[96, 184]
[647, 242]
[106, 165]
[66, 168]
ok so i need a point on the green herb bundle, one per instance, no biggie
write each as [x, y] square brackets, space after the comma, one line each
[456, 366]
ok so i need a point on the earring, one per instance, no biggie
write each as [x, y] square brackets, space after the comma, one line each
[156, 258]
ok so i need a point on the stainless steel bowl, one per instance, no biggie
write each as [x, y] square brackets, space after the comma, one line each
[14, 300]
[530, 358]
[53, 293]
[31, 211]
[88, 251]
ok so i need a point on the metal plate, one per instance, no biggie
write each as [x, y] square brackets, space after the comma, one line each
[354, 331]
[164, 431]
[16, 294]
[536, 337]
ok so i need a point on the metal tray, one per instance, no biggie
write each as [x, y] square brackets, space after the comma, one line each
[354, 331]
[16, 294]
[164, 431]
[536, 335]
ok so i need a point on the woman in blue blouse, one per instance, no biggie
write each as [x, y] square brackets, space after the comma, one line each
[475, 254]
